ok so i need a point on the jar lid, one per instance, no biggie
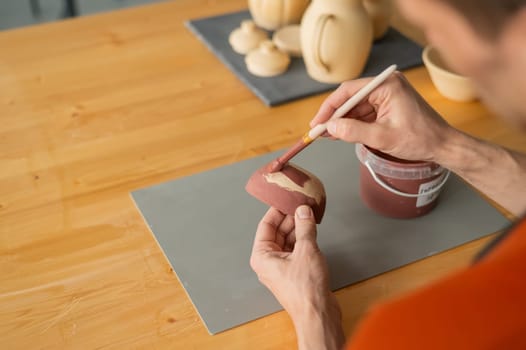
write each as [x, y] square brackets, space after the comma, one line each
[402, 169]
[247, 37]
[267, 60]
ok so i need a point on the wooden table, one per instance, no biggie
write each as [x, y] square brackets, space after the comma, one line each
[93, 108]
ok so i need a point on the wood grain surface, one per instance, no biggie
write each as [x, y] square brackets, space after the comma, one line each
[93, 108]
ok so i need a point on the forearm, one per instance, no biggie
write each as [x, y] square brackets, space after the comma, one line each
[319, 327]
[495, 171]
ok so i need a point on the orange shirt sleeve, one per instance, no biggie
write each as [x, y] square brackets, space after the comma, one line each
[480, 307]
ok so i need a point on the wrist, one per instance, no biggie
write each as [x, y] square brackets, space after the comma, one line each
[319, 325]
[462, 154]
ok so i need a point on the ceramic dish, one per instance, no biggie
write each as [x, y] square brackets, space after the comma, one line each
[450, 84]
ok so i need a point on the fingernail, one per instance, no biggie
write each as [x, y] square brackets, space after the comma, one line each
[331, 127]
[304, 212]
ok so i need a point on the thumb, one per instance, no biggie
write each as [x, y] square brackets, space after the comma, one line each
[305, 226]
[353, 130]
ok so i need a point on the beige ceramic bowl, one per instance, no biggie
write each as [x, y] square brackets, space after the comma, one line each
[449, 84]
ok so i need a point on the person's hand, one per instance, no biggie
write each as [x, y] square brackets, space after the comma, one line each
[394, 119]
[287, 260]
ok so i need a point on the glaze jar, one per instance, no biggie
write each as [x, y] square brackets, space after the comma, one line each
[274, 14]
[398, 188]
[336, 39]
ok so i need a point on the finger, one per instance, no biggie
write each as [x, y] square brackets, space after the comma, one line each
[287, 225]
[290, 241]
[356, 131]
[284, 230]
[362, 109]
[336, 99]
[265, 238]
[326, 134]
[305, 229]
[369, 118]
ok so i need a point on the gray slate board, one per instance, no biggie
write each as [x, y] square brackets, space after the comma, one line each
[205, 225]
[394, 48]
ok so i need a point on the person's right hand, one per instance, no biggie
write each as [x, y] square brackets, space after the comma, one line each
[394, 119]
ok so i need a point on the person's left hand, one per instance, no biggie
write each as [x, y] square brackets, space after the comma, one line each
[287, 260]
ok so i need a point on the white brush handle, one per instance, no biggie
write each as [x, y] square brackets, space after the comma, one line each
[353, 101]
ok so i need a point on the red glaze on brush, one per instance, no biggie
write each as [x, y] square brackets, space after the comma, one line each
[278, 164]
[273, 166]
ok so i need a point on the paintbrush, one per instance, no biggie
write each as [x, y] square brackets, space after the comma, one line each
[319, 129]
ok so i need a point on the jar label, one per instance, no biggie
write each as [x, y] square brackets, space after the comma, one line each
[424, 198]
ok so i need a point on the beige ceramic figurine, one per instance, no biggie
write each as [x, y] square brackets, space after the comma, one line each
[380, 12]
[336, 39]
[247, 37]
[267, 60]
[288, 39]
[274, 14]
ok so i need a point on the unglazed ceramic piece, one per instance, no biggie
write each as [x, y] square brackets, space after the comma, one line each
[295, 83]
[287, 189]
[274, 14]
[380, 12]
[450, 84]
[287, 39]
[336, 39]
[247, 37]
[267, 60]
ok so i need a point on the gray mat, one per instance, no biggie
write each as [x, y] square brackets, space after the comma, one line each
[295, 83]
[205, 224]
